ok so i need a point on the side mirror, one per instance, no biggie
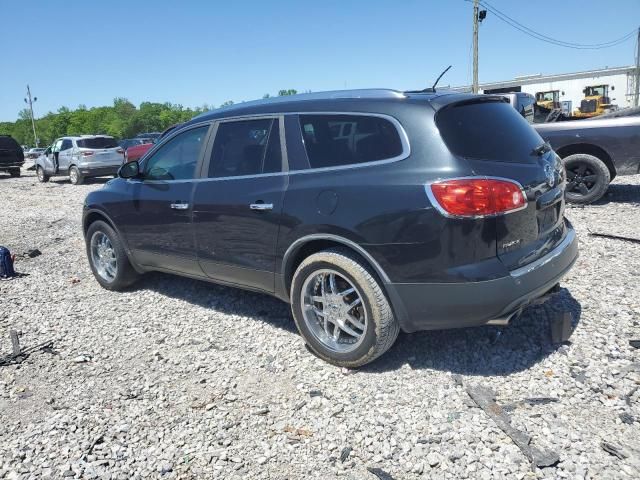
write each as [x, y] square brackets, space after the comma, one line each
[129, 170]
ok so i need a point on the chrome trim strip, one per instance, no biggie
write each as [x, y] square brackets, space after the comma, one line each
[438, 207]
[404, 140]
[549, 257]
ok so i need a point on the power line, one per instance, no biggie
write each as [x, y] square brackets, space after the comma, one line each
[545, 38]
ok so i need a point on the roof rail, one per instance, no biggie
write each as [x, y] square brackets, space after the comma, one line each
[328, 95]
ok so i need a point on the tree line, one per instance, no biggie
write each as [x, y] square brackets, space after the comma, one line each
[121, 120]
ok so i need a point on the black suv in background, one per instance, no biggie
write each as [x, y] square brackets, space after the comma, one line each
[11, 156]
[369, 211]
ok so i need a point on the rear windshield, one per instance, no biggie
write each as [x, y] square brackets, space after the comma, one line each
[98, 142]
[488, 131]
[8, 143]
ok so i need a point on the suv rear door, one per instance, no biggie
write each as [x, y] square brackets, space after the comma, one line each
[238, 205]
[498, 142]
[64, 155]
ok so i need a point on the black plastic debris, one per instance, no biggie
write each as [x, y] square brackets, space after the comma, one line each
[381, 474]
[485, 398]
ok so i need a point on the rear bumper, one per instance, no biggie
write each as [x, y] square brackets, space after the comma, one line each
[431, 306]
[87, 171]
[11, 166]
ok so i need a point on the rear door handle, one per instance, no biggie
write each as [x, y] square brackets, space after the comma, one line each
[261, 206]
[180, 206]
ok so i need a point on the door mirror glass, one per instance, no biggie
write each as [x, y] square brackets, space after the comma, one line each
[129, 170]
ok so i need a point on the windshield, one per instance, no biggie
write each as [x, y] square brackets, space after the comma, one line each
[97, 142]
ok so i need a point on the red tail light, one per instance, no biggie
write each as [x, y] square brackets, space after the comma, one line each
[121, 151]
[87, 153]
[477, 197]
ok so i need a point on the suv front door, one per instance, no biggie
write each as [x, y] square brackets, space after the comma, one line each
[237, 208]
[155, 214]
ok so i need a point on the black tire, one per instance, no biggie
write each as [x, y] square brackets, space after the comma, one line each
[587, 178]
[14, 172]
[75, 176]
[42, 176]
[125, 274]
[380, 333]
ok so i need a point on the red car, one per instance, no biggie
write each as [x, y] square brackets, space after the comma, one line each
[136, 152]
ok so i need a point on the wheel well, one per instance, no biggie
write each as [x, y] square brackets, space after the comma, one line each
[315, 246]
[589, 149]
[93, 217]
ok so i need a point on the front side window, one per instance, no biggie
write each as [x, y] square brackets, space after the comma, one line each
[246, 147]
[177, 159]
[336, 140]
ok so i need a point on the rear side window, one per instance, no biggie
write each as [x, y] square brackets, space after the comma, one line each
[488, 131]
[246, 147]
[336, 140]
[97, 142]
[66, 144]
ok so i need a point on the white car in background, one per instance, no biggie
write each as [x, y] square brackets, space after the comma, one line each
[80, 157]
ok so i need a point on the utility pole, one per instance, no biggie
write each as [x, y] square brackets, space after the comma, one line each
[637, 93]
[33, 122]
[474, 87]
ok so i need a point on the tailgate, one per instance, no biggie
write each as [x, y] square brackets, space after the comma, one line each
[497, 142]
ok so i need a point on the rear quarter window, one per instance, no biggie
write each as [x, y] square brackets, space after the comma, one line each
[342, 139]
[488, 130]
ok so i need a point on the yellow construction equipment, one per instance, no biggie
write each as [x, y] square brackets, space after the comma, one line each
[548, 100]
[596, 102]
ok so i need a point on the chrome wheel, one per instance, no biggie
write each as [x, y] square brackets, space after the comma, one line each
[103, 256]
[333, 311]
[73, 176]
[40, 173]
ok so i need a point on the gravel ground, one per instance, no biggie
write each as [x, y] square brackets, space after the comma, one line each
[183, 379]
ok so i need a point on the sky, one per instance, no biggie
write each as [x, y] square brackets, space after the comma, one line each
[207, 52]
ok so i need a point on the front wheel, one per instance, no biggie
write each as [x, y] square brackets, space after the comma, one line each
[587, 178]
[42, 176]
[341, 310]
[75, 176]
[107, 257]
[15, 172]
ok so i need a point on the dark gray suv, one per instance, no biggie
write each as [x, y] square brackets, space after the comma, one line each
[369, 211]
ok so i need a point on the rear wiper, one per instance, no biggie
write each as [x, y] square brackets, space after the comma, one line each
[541, 149]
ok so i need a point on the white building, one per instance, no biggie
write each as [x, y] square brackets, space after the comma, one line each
[621, 81]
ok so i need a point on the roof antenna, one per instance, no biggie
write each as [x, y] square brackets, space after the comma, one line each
[433, 87]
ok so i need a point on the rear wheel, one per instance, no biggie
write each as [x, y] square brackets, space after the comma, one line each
[75, 176]
[42, 176]
[341, 310]
[107, 257]
[15, 172]
[587, 178]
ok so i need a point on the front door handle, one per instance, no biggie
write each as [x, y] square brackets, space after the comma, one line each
[261, 206]
[180, 206]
